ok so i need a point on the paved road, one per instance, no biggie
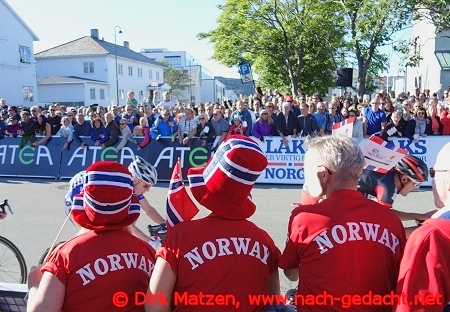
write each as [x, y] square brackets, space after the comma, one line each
[38, 212]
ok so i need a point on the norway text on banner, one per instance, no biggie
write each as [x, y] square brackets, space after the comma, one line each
[179, 206]
[382, 156]
[344, 127]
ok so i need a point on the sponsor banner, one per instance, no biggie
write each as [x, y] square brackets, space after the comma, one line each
[30, 161]
[162, 153]
[286, 163]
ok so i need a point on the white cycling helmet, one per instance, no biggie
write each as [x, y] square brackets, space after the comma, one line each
[143, 170]
[79, 178]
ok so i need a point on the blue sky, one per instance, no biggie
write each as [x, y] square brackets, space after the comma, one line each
[171, 24]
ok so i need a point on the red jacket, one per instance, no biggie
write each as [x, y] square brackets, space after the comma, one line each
[445, 121]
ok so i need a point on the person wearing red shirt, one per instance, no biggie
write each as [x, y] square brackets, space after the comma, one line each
[346, 245]
[85, 273]
[229, 256]
[424, 278]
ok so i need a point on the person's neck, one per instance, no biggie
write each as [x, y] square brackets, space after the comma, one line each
[339, 186]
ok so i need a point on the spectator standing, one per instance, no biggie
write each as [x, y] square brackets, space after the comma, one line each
[151, 117]
[444, 117]
[34, 112]
[237, 127]
[286, 123]
[425, 267]
[220, 128]
[13, 112]
[321, 117]
[205, 132]
[130, 116]
[323, 250]
[167, 103]
[66, 132]
[264, 126]
[436, 126]
[126, 134]
[54, 120]
[113, 130]
[4, 115]
[43, 128]
[244, 115]
[423, 124]
[394, 128]
[226, 194]
[270, 107]
[334, 117]
[374, 119]
[307, 124]
[13, 128]
[98, 132]
[143, 122]
[187, 127]
[2, 128]
[116, 115]
[104, 208]
[357, 134]
[82, 128]
[165, 125]
[27, 129]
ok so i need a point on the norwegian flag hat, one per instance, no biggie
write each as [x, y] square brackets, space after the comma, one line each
[107, 201]
[224, 185]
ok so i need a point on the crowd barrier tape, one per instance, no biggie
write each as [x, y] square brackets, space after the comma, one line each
[285, 163]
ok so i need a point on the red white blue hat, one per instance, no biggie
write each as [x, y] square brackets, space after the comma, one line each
[224, 185]
[107, 201]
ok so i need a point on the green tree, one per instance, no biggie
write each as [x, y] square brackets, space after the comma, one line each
[369, 26]
[289, 43]
[178, 80]
[436, 11]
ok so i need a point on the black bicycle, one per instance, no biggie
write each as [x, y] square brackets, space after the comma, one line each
[13, 268]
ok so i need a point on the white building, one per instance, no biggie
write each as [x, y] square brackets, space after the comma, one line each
[434, 69]
[83, 71]
[204, 87]
[17, 64]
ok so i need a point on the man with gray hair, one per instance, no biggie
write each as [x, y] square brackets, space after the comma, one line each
[346, 245]
[425, 269]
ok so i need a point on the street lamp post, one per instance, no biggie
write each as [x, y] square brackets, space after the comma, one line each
[115, 54]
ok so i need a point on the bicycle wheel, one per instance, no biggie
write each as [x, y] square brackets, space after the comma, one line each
[13, 268]
[41, 260]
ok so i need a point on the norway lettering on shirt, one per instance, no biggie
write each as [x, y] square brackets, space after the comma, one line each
[114, 262]
[225, 247]
[356, 231]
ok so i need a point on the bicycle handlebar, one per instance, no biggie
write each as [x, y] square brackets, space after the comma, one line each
[5, 203]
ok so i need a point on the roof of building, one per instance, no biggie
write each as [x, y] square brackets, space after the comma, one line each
[35, 37]
[91, 46]
[65, 79]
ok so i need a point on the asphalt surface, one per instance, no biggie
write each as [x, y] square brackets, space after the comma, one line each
[38, 210]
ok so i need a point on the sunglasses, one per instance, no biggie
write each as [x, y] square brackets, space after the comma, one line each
[202, 118]
[264, 114]
[69, 115]
[433, 171]
[123, 124]
[215, 114]
[52, 110]
[415, 182]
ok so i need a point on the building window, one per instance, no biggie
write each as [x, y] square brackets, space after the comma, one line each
[92, 91]
[25, 55]
[140, 72]
[157, 75]
[141, 95]
[102, 94]
[130, 70]
[88, 67]
[121, 94]
[27, 94]
[443, 58]
[173, 61]
[150, 74]
[120, 69]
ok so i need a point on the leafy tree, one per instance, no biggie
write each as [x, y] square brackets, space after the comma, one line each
[289, 43]
[369, 26]
[436, 11]
[178, 80]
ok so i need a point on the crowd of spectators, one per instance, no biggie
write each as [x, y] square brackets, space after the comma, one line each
[410, 116]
